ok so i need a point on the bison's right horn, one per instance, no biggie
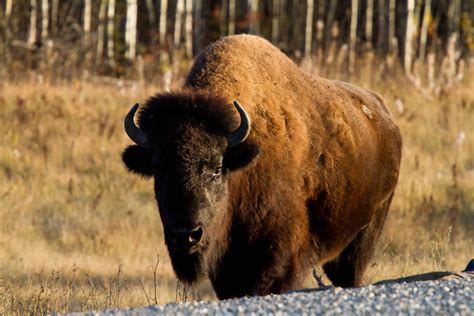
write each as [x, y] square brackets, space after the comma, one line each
[241, 133]
[135, 134]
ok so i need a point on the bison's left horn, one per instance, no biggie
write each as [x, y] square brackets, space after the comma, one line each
[241, 133]
[135, 134]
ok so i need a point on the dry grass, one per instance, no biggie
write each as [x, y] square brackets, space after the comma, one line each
[78, 232]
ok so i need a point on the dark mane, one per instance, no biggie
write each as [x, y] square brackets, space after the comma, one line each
[214, 112]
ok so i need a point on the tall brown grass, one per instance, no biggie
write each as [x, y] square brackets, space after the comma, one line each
[79, 233]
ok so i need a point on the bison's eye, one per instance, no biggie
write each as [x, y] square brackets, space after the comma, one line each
[217, 173]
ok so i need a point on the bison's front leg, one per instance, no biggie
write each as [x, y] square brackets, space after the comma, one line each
[348, 269]
[258, 269]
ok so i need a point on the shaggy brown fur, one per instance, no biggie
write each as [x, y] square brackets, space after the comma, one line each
[315, 179]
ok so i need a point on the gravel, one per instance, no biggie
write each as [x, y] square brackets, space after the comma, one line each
[443, 297]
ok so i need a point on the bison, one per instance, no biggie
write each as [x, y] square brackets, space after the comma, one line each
[262, 171]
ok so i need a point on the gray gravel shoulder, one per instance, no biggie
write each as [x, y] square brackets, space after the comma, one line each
[443, 297]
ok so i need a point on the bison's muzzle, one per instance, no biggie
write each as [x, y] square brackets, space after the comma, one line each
[184, 240]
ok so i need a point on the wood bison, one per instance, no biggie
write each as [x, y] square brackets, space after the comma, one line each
[300, 171]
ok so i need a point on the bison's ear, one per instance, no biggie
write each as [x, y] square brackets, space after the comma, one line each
[138, 160]
[240, 156]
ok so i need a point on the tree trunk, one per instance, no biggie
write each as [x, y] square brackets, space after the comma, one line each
[87, 17]
[178, 23]
[110, 30]
[381, 40]
[100, 30]
[391, 27]
[329, 22]
[8, 8]
[33, 17]
[275, 21]
[188, 28]
[152, 20]
[54, 16]
[353, 34]
[163, 16]
[253, 19]
[409, 37]
[223, 18]
[44, 20]
[232, 17]
[197, 26]
[369, 22]
[309, 28]
[424, 30]
[131, 29]
[454, 16]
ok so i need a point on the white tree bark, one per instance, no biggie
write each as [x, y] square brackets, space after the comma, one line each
[8, 8]
[254, 23]
[87, 16]
[110, 29]
[163, 15]
[131, 30]
[275, 21]
[309, 28]
[100, 30]
[178, 23]
[369, 21]
[44, 19]
[454, 15]
[353, 34]
[424, 29]
[33, 17]
[409, 37]
[391, 26]
[188, 28]
[231, 17]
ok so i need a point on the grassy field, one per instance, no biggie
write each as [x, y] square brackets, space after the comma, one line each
[79, 233]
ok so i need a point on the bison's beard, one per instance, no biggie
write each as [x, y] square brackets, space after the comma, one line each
[189, 268]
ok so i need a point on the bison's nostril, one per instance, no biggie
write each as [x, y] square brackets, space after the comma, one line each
[196, 235]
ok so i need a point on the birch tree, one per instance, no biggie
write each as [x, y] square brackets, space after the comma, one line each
[188, 28]
[8, 9]
[424, 29]
[275, 21]
[353, 34]
[254, 23]
[33, 17]
[178, 23]
[44, 20]
[309, 28]
[163, 15]
[100, 30]
[329, 21]
[131, 29]
[232, 17]
[381, 40]
[197, 25]
[150, 8]
[409, 36]
[87, 17]
[369, 22]
[54, 16]
[110, 30]
[391, 26]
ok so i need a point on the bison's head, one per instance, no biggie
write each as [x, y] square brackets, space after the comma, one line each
[188, 145]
